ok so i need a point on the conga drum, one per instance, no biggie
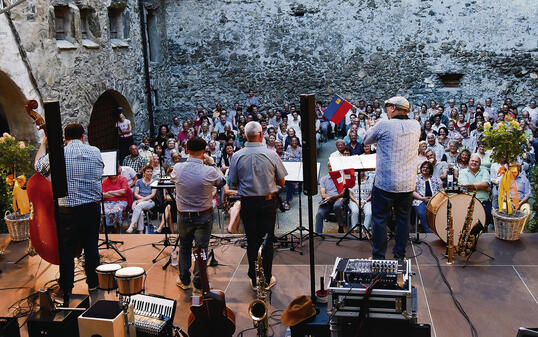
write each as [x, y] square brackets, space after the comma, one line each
[105, 275]
[130, 280]
[436, 213]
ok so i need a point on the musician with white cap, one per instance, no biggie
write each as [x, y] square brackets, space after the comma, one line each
[397, 151]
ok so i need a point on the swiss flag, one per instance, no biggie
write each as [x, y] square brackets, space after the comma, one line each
[343, 179]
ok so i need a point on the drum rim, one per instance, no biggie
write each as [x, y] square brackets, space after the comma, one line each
[108, 271]
[142, 273]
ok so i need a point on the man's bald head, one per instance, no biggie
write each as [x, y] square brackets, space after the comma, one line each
[253, 131]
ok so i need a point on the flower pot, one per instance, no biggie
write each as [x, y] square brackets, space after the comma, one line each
[18, 227]
[508, 227]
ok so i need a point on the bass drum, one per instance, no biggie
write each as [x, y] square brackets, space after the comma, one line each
[437, 217]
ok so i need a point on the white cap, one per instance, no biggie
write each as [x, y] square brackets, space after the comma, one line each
[399, 101]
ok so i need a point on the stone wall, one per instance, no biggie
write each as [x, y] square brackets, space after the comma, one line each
[77, 71]
[360, 49]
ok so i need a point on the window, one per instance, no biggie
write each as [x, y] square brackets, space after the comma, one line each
[450, 80]
[118, 26]
[63, 32]
[152, 33]
[89, 28]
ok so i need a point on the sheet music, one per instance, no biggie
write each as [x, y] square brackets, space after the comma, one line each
[295, 170]
[366, 162]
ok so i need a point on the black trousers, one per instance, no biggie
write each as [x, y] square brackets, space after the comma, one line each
[78, 227]
[258, 216]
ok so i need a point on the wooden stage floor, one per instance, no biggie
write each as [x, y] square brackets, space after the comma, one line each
[499, 296]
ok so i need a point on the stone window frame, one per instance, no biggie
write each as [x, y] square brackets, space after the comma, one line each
[87, 37]
[63, 26]
[117, 27]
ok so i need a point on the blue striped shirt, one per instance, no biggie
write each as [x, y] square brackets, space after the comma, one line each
[84, 168]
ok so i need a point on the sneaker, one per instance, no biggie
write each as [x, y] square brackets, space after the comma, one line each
[340, 229]
[182, 285]
[130, 229]
[197, 292]
[272, 283]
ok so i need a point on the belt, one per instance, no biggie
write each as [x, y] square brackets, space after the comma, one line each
[260, 197]
[191, 214]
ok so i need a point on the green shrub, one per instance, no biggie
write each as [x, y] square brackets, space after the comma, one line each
[532, 226]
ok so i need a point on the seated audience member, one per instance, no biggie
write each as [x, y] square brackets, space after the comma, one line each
[185, 133]
[213, 151]
[168, 207]
[442, 139]
[422, 147]
[477, 179]
[368, 149]
[143, 196]
[434, 146]
[176, 127]
[462, 162]
[271, 142]
[118, 197]
[145, 150]
[484, 155]
[340, 144]
[524, 191]
[130, 175]
[232, 205]
[294, 152]
[205, 132]
[332, 200]
[467, 141]
[364, 198]
[355, 143]
[221, 123]
[290, 135]
[451, 155]
[427, 187]
[170, 146]
[156, 168]
[226, 158]
[279, 148]
[135, 160]
[439, 168]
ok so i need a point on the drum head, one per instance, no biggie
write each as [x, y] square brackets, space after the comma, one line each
[129, 272]
[108, 268]
[437, 213]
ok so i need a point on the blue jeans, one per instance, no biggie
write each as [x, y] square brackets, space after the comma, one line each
[197, 228]
[421, 214]
[382, 202]
[324, 126]
[325, 209]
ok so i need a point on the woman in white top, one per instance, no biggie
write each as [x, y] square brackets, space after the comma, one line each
[126, 136]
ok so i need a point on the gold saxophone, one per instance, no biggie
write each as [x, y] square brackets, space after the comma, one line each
[467, 240]
[450, 235]
[258, 309]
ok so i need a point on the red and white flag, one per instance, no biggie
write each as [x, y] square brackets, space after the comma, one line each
[343, 179]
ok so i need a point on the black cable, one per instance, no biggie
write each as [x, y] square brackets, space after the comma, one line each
[458, 305]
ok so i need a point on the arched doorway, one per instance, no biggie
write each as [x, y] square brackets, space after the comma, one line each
[13, 117]
[102, 131]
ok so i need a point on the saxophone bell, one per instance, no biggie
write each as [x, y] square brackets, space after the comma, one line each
[257, 310]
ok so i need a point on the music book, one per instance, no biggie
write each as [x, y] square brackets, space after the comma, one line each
[295, 170]
[365, 162]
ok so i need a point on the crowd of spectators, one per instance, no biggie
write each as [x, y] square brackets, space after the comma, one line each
[450, 143]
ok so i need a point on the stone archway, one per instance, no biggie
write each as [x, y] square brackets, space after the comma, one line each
[13, 117]
[102, 131]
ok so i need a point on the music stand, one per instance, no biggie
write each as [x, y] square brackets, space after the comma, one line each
[360, 163]
[110, 159]
[164, 184]
[295, 174]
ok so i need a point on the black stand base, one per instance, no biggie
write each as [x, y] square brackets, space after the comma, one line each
[164, 243]
[350, 233]
[288, 238]
[111, 244]
[476, 251]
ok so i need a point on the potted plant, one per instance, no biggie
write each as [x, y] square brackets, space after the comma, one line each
[508, 143]
[15, 161]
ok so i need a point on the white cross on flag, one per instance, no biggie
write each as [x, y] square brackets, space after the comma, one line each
[343, 179]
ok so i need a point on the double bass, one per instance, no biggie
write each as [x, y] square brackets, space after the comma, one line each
[209, 315]
[43, 235]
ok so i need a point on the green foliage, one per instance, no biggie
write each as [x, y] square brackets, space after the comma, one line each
[532, 226]
[507, 141]
[14, 155]
[5, 202]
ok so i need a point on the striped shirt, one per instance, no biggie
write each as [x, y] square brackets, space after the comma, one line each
[397, 153]
[84, 168]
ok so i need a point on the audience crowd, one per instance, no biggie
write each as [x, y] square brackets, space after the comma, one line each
[451, 152]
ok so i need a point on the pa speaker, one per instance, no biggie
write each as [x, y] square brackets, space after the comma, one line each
[308, 131]
[56, 149]
[9, 327]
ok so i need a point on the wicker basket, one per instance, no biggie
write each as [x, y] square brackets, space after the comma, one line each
[19, 229]
[508, 227]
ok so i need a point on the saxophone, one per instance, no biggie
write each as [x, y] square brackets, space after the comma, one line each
[450, 234]
[467, 240]
[258, 309]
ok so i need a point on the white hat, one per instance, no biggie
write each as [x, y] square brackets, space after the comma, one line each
[399, 101]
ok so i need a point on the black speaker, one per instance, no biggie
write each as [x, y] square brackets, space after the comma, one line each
[308, 131]
[9, 327]
[56, 148]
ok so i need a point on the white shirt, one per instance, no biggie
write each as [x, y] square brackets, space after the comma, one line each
[533, 113]
[129, 173]
[124, 126]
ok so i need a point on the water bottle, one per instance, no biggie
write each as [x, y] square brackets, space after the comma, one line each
[149, 229]
[450, 179]
[174, 258]
[288, 332]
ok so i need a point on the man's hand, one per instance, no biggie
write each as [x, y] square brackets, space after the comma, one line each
[208, 160]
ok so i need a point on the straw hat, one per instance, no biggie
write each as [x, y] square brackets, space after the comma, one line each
[300, 309]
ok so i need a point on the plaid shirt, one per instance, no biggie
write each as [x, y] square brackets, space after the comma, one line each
[84, 168]
[135, 162]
